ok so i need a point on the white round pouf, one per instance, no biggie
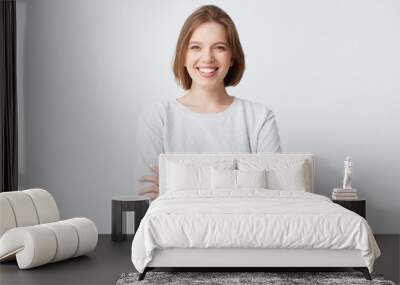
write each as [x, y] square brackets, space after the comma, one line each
[51, 242]
[31, 233]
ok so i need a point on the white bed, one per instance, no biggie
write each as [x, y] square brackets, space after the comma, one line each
[193, 224]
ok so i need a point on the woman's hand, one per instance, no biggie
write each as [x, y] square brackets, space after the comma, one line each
[152, 190]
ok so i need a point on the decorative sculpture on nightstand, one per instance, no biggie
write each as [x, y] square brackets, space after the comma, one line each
[347, 173]
[346, 192]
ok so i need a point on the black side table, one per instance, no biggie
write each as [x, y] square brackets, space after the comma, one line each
[358, 206]
[121, 204]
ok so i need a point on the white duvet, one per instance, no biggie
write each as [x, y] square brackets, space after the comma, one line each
[250, 218]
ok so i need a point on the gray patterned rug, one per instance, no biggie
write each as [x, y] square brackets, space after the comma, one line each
[269, 278]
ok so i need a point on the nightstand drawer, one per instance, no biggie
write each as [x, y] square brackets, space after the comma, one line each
[357, 206]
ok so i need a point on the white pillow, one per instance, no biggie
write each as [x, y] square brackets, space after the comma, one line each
[281, 174]
[188, 177]
[223, 179]
[251, 178]
[193, 174]
[236, 179]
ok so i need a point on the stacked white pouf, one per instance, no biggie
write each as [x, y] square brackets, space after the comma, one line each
[31, 231]
[344, 194]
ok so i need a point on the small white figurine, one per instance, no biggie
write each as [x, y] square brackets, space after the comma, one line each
[347, 173]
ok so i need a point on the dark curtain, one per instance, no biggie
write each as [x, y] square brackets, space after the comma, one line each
[8, 92]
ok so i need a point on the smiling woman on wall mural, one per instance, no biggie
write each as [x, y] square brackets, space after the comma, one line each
[208, 58]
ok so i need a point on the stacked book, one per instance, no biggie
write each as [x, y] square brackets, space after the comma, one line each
[344, 194]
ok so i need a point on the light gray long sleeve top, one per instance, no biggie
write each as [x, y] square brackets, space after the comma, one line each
[169, 126]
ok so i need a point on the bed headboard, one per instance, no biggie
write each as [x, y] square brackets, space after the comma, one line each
[205, 157]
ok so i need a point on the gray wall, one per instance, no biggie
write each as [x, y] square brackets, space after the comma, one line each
[329, 70]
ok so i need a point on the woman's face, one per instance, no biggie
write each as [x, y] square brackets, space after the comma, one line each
[208, 57]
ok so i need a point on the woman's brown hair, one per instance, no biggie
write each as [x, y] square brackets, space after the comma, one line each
[209, 13]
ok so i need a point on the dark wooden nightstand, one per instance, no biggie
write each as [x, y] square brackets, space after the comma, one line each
[357, 206]
[121, 204]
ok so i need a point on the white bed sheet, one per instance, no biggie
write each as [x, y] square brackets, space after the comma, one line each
[250, 218]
